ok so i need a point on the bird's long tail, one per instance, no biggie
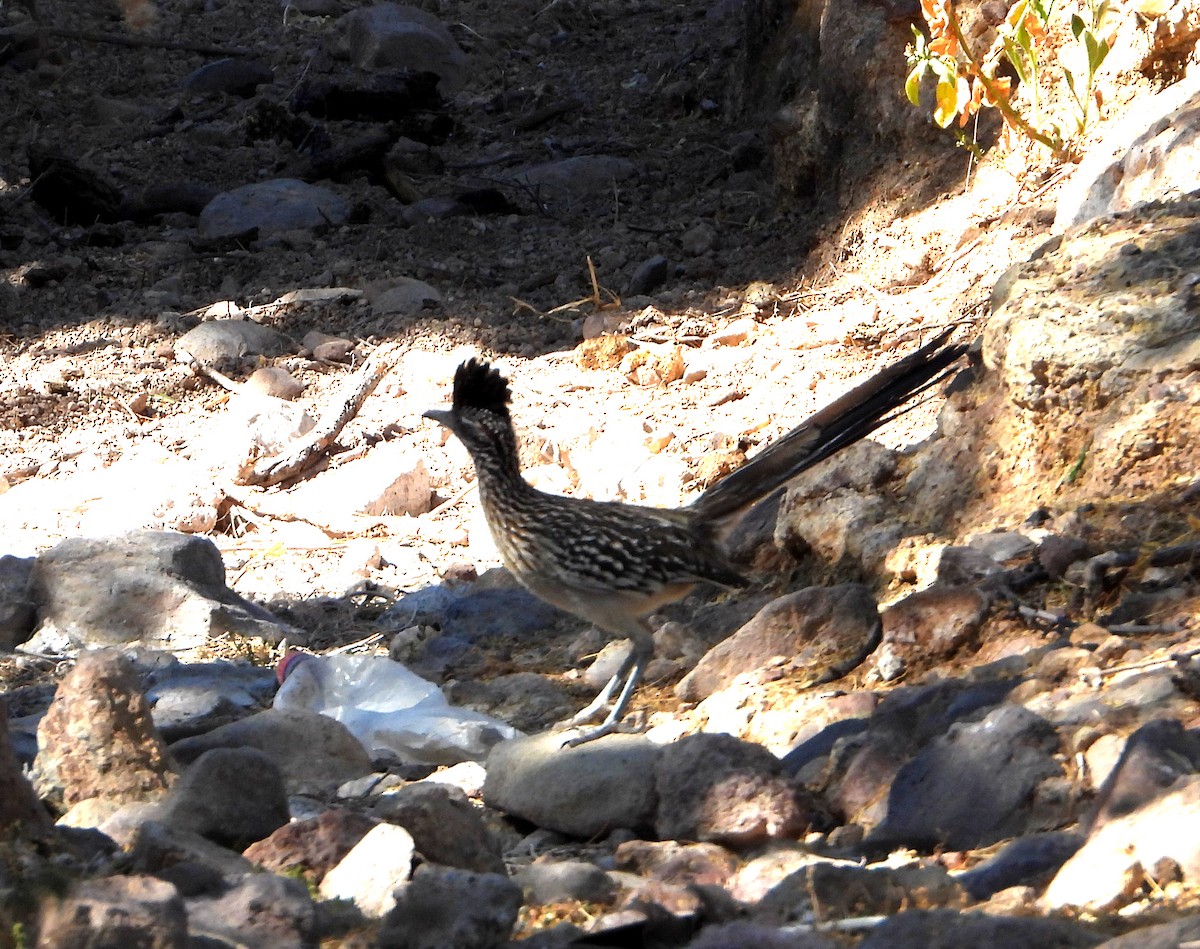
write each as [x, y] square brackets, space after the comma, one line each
[855, 415]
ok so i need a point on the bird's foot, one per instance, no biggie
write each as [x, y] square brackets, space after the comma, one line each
[606, 727]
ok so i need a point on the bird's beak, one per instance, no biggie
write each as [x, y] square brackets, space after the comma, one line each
[441, 416]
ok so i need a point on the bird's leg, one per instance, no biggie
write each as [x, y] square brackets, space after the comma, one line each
[600, 702]
[631, 671]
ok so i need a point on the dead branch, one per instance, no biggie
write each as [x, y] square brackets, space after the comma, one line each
[141, 42]
[277, 468]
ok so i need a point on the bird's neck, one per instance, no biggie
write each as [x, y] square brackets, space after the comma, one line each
[498, 466]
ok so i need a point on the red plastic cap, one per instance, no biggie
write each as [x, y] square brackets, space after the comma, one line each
[284, 667]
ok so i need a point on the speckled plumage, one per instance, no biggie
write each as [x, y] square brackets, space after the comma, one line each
[614, 564]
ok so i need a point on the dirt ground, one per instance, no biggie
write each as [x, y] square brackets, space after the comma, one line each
[91, 311]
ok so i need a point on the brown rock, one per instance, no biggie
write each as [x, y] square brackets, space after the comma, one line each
[670, 861]
[935, 623]
[98, 739]
[316, 845]
[715, 787]
[822, 632]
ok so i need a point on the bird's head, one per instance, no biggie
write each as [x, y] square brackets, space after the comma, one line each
[478, 414]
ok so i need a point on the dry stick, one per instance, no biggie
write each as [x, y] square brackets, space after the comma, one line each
[143, 42]
[273, 470]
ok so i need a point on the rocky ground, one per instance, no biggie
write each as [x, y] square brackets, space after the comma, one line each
[957, 704]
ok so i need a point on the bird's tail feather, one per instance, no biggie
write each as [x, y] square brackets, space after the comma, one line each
[855, 415]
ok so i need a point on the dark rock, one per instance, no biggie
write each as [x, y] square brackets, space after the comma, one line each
[313, 752]
[1027, 861]
[1164, 936]
[947, 929]
[233, 796]
[18, 804]
[1154, 758]
[841, 890]
[18, 613]
[239, 77]
[649, 275]
[156, 847]
[447, 907]
[445, 826]
[714, 787]
[973, 786]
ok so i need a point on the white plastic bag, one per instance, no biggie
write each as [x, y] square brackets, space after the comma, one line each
[388, 708]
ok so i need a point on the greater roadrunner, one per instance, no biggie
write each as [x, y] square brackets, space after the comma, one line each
[614, 564]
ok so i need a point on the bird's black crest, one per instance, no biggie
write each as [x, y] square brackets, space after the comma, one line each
[478, 385]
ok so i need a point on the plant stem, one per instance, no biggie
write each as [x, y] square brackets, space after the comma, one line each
[1011, 115]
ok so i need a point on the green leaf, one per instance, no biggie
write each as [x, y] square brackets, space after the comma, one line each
[1097, 51]
[912, 86]
[1013, 52]
[1077, 25]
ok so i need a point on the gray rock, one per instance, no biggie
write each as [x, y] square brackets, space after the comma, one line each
[391, 36]
[720, 789]
[586, 791]
[571, 180]
[699, 239]
[154, 847]
[404, 296]
[947, 929]
[154, 587]
[445, 907]
[313, 752]
[561, 880]
[1149, 154]
[973, 786]
[239, 77]
[271, 207]
[233, 796]
[258, 911]
[526, 700]
[193, 698]
[1002, 546]
[824, 632]
[116, 911]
